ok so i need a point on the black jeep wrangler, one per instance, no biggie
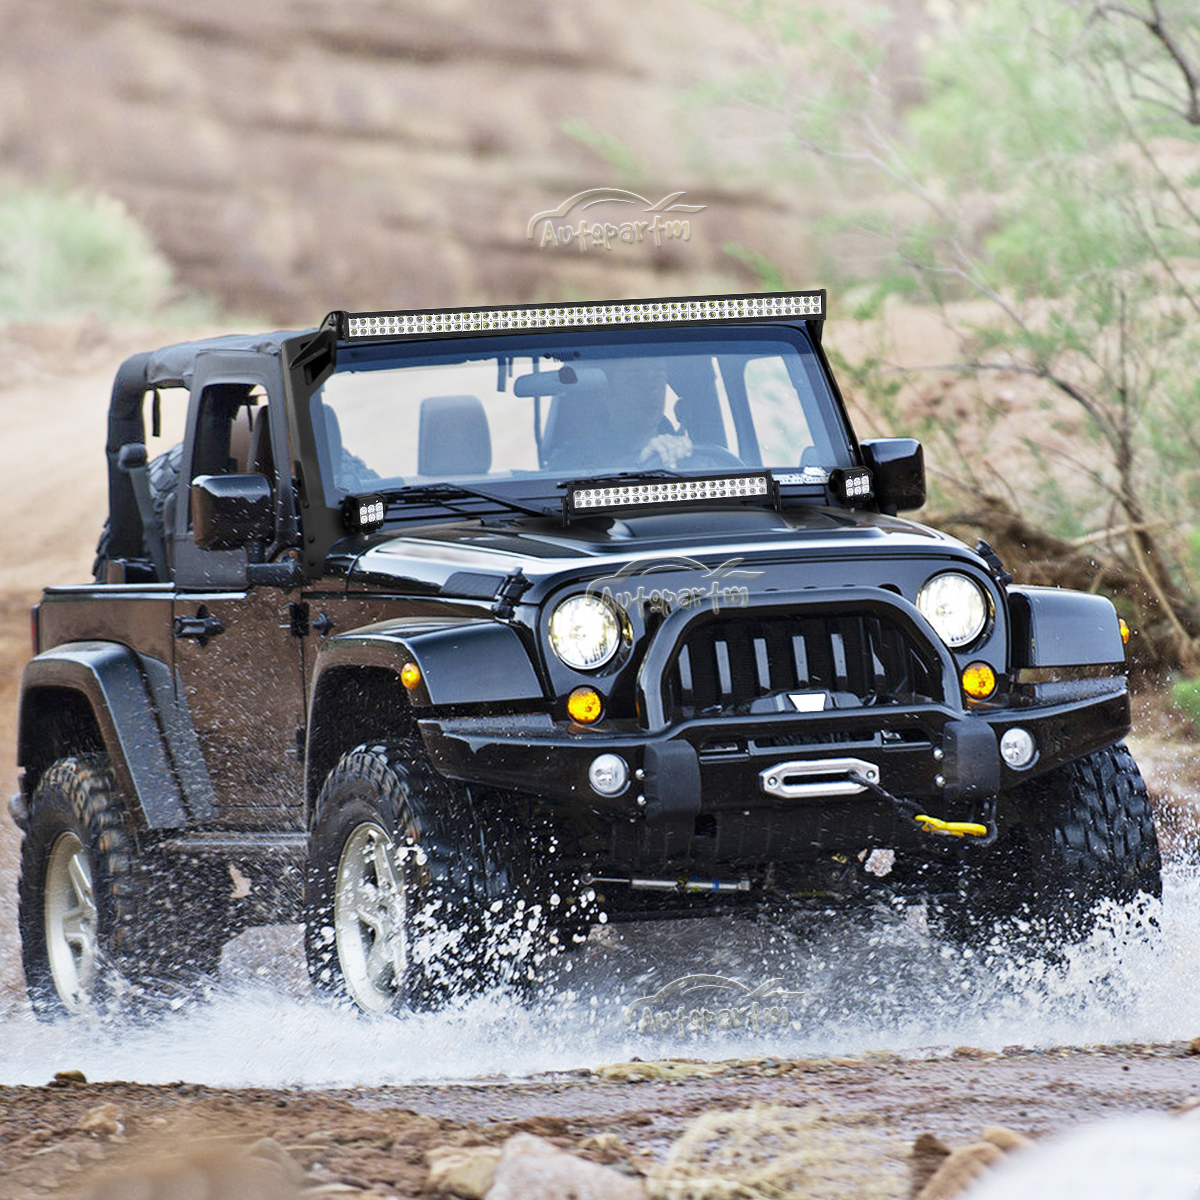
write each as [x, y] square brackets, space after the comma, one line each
[526, 617]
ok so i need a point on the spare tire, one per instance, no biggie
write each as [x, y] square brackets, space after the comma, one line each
[164, 483]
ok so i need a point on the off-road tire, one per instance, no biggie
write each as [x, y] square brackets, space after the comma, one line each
[1077, 836]
[428, 950]
[164, 484]
[148, 942]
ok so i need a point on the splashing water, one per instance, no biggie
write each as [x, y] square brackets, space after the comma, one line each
[853, 983]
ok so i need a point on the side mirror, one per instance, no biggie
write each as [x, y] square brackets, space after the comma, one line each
[898, 468]
[230, 512]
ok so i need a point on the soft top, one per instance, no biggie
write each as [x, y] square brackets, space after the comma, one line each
[176, 364]
[172, 366]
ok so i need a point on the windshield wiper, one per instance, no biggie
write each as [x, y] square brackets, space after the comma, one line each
[446, 493]
[618, 477]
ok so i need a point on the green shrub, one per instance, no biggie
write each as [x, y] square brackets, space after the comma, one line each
[1036, 188]
[67, 254]
[1186, 695]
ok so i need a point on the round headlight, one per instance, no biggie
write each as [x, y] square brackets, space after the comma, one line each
[955, 605]
[585, 632]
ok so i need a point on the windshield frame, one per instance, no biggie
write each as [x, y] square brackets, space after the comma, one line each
[735, 348]
[312, 360]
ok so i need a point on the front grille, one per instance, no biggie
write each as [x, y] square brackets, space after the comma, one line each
[727, 664]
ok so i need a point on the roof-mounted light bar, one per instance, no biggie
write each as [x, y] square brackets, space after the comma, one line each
[606, 495]
[683, 311]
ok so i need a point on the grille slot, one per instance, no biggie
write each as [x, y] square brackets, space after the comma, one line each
[726, 664]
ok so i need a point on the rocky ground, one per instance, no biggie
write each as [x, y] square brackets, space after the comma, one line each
[863, 1115]
[850, 1123]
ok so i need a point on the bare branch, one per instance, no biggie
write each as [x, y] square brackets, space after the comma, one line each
[1103, 535]
[1157, 28]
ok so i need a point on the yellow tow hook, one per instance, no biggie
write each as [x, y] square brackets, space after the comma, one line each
[928, 824]
[950, 828]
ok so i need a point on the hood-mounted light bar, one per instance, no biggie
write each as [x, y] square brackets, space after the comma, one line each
[596, 496]
[450, 322]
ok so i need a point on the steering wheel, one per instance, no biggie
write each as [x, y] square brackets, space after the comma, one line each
[710, 454]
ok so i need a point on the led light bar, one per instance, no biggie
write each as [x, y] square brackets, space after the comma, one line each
[362, 514]
[853, 485]
[685, 311]
[599, 497]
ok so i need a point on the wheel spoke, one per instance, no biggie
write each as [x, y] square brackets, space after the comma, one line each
[369, 918]
[380, 963]
[79, 927]
[81, 881]
[385, 868]
[85, 965]
[370, 910]
[71, 922]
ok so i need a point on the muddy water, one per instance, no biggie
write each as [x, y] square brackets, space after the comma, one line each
[843, 985]
[849, 985]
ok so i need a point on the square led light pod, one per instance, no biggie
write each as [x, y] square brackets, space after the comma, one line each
[362, 514]
[852, 485]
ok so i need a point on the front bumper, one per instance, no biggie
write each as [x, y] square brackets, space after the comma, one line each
[934, 754]
[772, 785]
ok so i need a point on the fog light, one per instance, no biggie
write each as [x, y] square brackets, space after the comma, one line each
[585, 705]
[1017, 747]
[979, 681]
[608, 774]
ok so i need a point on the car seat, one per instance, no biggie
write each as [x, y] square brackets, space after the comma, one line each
[453, 438]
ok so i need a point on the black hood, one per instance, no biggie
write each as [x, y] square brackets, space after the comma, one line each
[443, 557]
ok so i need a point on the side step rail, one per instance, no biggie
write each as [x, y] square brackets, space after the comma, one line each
[291, 847]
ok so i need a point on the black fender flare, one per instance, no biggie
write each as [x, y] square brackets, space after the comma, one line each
[142, 721]
[473, 660]
[1057, 627]
[462, 660]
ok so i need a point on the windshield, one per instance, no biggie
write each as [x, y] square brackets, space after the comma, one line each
[552, 407]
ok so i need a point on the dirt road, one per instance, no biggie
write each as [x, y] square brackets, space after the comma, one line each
[376, 1138]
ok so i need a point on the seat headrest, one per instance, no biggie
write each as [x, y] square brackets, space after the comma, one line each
[454, 438]
[259, 458]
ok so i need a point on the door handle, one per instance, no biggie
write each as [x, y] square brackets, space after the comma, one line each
[199, 628]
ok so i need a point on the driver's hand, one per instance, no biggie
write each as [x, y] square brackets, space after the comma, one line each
[671, 449]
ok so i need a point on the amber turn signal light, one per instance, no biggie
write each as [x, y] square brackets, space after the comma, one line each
[410, 675]
[1124, 631]
[979, 681]
[585, 705]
